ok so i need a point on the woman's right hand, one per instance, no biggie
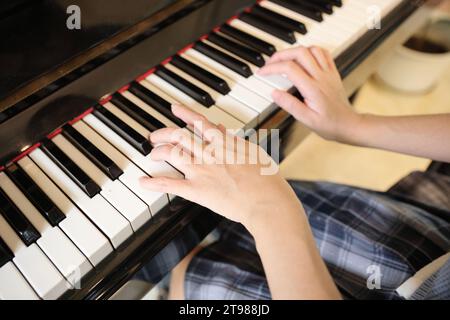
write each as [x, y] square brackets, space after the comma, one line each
[325, 109]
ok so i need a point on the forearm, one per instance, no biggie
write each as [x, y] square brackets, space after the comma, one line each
[422, 136]
[292, 263]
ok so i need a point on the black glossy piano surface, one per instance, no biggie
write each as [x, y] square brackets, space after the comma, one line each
[54, 75]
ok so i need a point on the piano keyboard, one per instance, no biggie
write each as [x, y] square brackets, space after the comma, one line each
[74, 198]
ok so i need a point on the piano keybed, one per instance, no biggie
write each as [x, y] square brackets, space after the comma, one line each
[74, 198]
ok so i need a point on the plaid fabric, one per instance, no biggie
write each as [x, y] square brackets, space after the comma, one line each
[435, 287]
[357, 232]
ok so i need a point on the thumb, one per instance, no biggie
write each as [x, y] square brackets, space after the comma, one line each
[293, 106]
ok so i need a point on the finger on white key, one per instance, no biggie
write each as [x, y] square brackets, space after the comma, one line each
[153, 168]
[131, 173]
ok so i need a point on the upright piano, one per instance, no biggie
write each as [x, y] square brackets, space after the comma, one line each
[77, 105]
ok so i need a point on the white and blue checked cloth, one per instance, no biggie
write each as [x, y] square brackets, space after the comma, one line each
[398, 232]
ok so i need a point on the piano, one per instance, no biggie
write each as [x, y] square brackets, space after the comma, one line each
[77, 105]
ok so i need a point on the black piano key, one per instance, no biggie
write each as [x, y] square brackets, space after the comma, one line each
[323, 6]
[35, 194]
[241, 51]
[251, 41]
[135, 112]
[337, 3]
[306, 11]
[70, 168]
[6, 254]
[92, 152]
[130, 135]
[206, 77]
[156, 102]
[269, 26]
[280, 19]
[17, 220]
[196, 93]
[234, 64]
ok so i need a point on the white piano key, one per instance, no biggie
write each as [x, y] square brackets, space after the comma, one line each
[227, 103]
[150, 86]
[219, 68]
[141, 104]
[337, 31]
[252, 84]
[72, 264]
[259, 84]
[243, 26]
[311, 25]
[316, 35]
[349, 18]
[13, 285]
[213, 113]
[277, 81]
[152, 168]
[125, 201]
[108, 219]
[384, 5]
[34, 265]
[92, 243]
[131, 173]
[240, 93]
[127, 119]
[58, 248]
[41, 273]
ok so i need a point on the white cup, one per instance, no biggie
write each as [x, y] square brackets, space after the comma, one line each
[414, 71]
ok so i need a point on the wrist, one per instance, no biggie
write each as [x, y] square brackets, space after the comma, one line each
[290, 219]
[352, 129]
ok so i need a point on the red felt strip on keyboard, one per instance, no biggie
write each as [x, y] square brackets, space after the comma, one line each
[26, 152]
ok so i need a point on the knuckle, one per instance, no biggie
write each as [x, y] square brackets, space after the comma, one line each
[303, 50]
[315, 50]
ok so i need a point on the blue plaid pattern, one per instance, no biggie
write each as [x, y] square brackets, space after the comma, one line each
[354, 229]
